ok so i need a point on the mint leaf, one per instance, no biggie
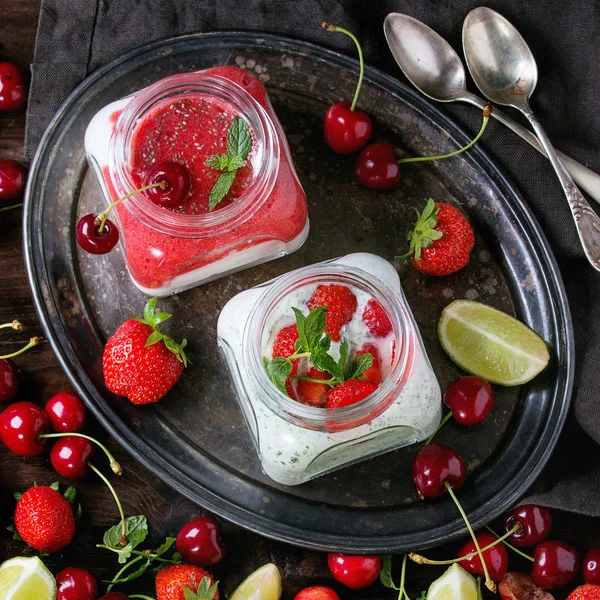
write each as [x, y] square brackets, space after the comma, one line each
[235, 162]
[239, 139]
[130, 576]
[136, 529]
[342, 360]
[278, 371]
[165, 546]
[324, 362]
[359, 365]
[220, 162]
[385, 576]
[222, 186]
[301, 344]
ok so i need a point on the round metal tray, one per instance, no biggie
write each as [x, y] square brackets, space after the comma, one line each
[195, 438]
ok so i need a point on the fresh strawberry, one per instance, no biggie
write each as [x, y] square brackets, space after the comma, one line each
[441, 240]
[373, 373]
[311, 392]
[44, 519]
[589, 591]
[376, 319]
[341, 305]
[172, 580]
[351, 392]
[283, 345]
[290, 389]
[139, 361]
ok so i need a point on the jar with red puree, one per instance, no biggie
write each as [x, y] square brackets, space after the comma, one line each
[329, 367]
[212, 137]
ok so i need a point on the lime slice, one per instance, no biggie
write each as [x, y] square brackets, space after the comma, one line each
[454, 584]
[26, 579]
[488, 343]
[263, 584]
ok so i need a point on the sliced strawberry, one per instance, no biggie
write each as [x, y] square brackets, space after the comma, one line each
[283, 345]
[373, 373]
[351, 392]
[376, 319]
[311, 392]
[341, 305]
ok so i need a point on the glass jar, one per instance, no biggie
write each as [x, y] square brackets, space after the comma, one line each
[166, 251]
[297, 442]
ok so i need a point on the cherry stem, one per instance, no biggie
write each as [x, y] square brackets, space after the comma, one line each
[487, 111]
[489, 584]
[123, 534]
[114, 465]
[422, 560]
[508, 545]
[34, 341]
[360, 58]
[442, 423]
[145, 553]
[125, 567]
[402, 590]
[14, 325]
[101, 218]
[10, 207]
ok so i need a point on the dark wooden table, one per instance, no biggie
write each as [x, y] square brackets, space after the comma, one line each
[139, 490]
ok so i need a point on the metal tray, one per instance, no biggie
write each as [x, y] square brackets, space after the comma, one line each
[195, 439]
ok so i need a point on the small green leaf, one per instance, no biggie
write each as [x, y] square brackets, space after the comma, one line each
[205, 591]
[55, 486]
[17, 496]
[385, 576]
[220, 162]
[359, 365]
[149, 309]
[131, 576]
[176, 558]
[315, 326]
[15, 533]
[239, 140]
[78, 512]
[160, 317]
[278, 371]
[70, 495]
[165, 546]
[423, 595]
[136, 529]
[154, 338]
[220, 189]
[235, 162]
[343, 359]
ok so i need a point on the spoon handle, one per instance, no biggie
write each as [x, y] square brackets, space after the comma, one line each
[586, 179]
[587, 221]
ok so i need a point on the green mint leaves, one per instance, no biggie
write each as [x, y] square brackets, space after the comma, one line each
[239, 142]
[314, 343]
[136, 530]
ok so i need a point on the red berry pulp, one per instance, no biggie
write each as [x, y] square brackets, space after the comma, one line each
[175, 183]
[376, 319]
[591, 567]
[341, 305]
[199, 542]
[9, 380]
[435, 464]
[20, 425]
[354, 571]
[377, 167]
[13, 177]
[555, 564]
[535, 525]
[91, 239]
[76, 584]
[496, 558]
[70, 456]
[12, 87]
[470, 399]
[346, 130]
[317, 592]
[66, 412]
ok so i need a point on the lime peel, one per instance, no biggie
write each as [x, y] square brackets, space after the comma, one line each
[263, 584]
[454, 584]
[26, 578]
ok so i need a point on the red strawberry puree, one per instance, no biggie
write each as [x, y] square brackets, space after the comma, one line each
[187, 129]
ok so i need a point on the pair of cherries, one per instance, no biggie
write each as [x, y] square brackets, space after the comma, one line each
[166, 184]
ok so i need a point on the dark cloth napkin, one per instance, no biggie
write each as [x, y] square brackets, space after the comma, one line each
[77, 36]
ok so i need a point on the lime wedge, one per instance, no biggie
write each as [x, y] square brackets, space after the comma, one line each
[454, 584]
[263, 584]
[26, 579]
[488, 343]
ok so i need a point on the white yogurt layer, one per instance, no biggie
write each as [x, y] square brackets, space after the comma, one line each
[291, 454]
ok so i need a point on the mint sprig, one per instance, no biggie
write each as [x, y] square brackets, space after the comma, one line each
[239, 142]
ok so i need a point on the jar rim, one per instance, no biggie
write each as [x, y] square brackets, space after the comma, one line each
[318, 418]
[265, 160]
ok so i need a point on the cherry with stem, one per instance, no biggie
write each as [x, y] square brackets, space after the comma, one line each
[34, 341]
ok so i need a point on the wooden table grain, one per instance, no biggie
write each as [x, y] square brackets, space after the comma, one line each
[140, 491]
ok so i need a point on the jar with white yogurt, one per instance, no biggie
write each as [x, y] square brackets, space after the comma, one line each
[297, 442]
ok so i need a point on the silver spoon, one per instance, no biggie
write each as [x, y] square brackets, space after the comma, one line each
[435, 69]
[505, 70]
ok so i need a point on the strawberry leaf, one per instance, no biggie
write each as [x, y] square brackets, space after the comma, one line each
[17, 496]
[154, 338]
[15, 533]
[424, 233]
[205, 591]
[55, 486]
[70, 495]
[149, 309]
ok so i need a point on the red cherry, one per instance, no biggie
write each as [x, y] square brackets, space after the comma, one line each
[12, 87]
[66, 412]
[346, 130]
[76, 584]
[435, 464]
[535, 522]
[9, 380]
[114, 596]
[199, 542]
[354, 571]
[12, 180]
[92, 240]
[496, 558]
[175, 180]
[20, 425]
[377, 167]
[555, 564]
[591, 567]
[70, 456]
[317, 592]
[470, 399]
